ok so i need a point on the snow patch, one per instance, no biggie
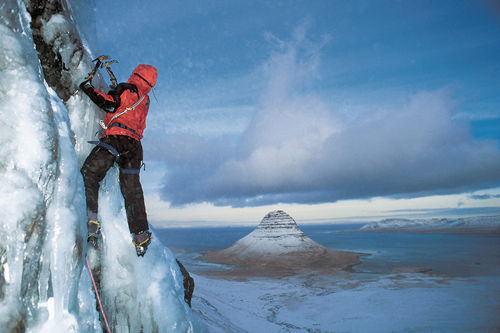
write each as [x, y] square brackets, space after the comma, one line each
[403, 303]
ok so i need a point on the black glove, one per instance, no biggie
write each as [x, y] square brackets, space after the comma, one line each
[86, 85]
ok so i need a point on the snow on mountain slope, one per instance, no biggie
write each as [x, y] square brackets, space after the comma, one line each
[478, 223]
[276, 234]
[419, 224]
[44, 286]
[466, 224]
[278, 246]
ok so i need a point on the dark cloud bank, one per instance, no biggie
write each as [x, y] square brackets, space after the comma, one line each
[298, 150]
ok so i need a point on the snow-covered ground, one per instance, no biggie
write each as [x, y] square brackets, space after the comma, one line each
[410, 282]
[408, 302]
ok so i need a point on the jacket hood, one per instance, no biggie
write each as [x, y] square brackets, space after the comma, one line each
[144, 77]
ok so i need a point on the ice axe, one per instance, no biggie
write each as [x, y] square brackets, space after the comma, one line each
[112, 76]
[99, 61]
[89, 77]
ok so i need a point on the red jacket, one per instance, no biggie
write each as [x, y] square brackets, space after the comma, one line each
[127, 105]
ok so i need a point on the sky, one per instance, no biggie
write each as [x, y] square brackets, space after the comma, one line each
[331, 110]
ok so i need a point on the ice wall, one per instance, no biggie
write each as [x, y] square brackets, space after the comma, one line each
[44, 54]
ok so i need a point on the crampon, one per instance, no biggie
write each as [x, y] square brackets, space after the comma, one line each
[141, 240]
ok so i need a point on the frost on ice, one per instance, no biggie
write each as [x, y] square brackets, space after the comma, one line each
[44, 287]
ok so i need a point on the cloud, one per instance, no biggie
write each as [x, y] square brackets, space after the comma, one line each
[484, 196]
[296, 149]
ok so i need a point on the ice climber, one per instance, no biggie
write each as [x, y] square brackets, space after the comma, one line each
[126, 108]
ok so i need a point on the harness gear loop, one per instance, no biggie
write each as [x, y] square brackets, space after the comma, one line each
[103, 125]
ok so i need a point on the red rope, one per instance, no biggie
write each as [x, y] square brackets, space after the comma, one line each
[97, 294]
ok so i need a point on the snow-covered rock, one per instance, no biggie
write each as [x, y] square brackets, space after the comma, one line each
[276, 234]
[478, 224]
[278, 246]
[465, 224]
[406, 224]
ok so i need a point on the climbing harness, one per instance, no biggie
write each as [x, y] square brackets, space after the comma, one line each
[130, 108]
[133, 171]
[124, 127]
[108, 147]
[130, 171]
[97, 294]
[112, 150]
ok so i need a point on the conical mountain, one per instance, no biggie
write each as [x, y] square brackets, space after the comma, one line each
[276, 234]
[278, 246]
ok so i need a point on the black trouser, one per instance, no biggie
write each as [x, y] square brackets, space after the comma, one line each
[97, 165]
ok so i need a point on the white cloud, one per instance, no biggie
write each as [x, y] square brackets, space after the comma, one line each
[298, 149]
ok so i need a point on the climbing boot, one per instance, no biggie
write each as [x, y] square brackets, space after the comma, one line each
[141, 240]
[94, 232]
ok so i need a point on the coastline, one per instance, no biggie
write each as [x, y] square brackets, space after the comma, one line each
[324, 262]
[437, 231]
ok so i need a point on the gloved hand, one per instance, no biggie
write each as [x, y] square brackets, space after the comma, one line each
[85, 85]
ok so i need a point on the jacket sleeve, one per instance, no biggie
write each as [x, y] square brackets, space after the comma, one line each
[107, 102]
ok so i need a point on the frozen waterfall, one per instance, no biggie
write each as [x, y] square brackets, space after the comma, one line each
[44, 132]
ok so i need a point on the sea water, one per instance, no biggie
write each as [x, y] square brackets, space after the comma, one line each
[459, 290]
[457, 255]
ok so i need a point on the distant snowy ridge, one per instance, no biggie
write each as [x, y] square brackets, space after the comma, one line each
[418, 224]
[278, 245]
[478, 222]
[466, 224]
